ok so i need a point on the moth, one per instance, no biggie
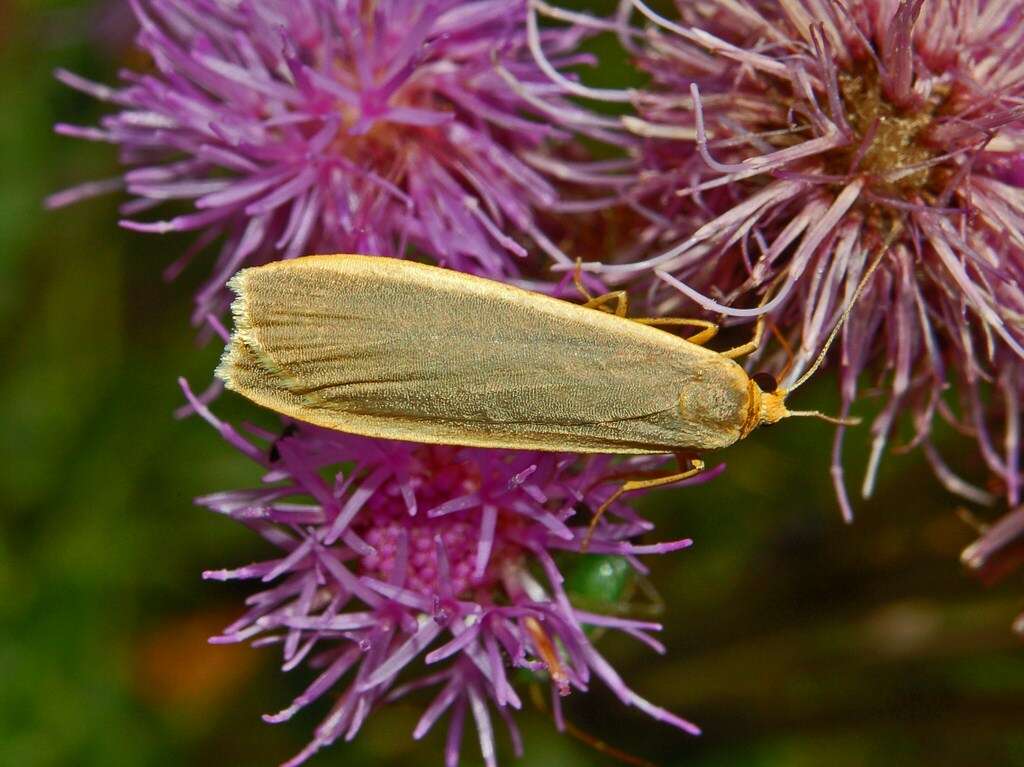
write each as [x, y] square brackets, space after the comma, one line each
[389, 348]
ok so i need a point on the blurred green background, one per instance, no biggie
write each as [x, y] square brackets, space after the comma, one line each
[793, 639]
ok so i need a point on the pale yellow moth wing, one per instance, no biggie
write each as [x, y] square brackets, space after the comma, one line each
[400, 350]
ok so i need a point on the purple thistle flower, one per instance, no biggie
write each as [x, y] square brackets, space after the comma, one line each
[430, 564]
[295, 126]
[780, 144]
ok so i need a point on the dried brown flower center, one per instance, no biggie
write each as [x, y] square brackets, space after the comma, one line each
[888, 138]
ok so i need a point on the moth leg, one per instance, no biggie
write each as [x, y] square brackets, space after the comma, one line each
[598, 302]
[537, 698]
[749, 346]
[577, 280]
[696, 466]
[710, 328]
[619, 296]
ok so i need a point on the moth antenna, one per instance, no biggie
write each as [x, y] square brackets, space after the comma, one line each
[893, 232]
[848, 421]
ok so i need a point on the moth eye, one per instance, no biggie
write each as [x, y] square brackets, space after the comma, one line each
[765, 382]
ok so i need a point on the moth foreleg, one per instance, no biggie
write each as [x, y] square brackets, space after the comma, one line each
[750, 346]
[710, 328]
[695, 466]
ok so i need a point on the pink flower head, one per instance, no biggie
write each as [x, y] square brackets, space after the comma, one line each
[295, 126]
[783, 146]
[417, 566]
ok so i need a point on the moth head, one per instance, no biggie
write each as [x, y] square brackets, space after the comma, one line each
[772, 407]
[772, 401]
